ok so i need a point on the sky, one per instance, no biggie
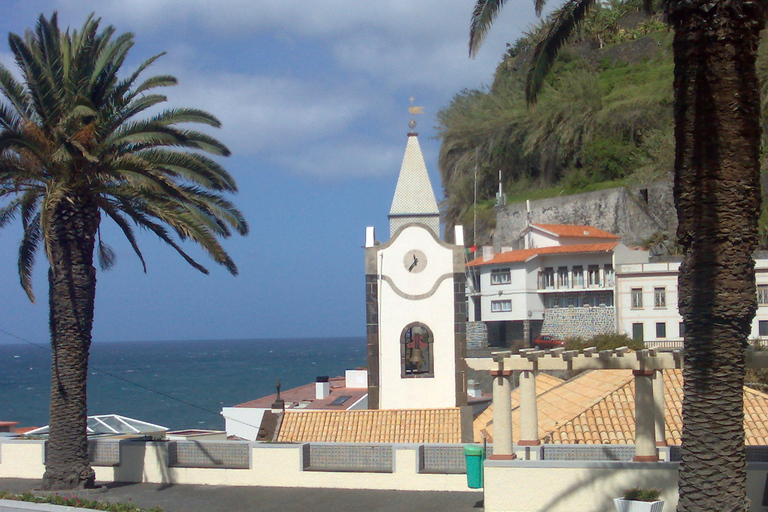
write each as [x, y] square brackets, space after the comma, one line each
[313, 97]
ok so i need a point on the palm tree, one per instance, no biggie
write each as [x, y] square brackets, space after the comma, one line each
[717, 196]
[74, 148]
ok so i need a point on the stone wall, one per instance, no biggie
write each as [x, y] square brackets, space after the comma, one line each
[477, 335]
[583, 322]
[633, 213]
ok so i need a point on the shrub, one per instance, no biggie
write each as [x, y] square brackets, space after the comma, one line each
[638, 494]
[607, 341]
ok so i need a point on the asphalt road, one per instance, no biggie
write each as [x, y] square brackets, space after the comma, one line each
[215, 498]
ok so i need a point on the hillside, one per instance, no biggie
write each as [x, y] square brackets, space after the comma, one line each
[603, 119]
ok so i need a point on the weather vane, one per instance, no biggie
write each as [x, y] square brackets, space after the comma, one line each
[414, 110]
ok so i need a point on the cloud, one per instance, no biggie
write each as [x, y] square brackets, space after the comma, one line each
[267, 114]
[298, 81]
[344, 159]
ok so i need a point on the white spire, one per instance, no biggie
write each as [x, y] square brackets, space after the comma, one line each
[414, 199]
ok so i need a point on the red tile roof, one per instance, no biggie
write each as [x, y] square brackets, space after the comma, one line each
[598, 407]
[305, 395]
[570, 230]
[526, 254]
[373, 426]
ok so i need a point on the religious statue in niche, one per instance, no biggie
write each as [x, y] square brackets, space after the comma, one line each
[417, 350]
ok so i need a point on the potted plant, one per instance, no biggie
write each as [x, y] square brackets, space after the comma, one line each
[639, 500]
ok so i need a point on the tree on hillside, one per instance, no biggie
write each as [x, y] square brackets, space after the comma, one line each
[74, 147]
[717, 196]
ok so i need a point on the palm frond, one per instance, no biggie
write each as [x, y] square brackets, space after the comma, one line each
[105, 255]
[194, 167]
[118, 219]
[145, 221]
[123, 88]
[10, 211]
[186, 115]
[14, 92]
[155, 81]
[30, 242]
[563, 22]
[484, 14]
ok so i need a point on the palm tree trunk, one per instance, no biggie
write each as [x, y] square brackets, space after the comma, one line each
[72, 290]
[717, 196]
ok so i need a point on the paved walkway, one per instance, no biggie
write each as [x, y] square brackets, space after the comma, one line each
[215, 498]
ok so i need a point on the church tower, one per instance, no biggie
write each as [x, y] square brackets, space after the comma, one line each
[415, 300]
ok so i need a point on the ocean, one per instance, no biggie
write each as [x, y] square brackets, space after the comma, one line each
[176, 384]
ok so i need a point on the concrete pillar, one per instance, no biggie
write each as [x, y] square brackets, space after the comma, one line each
[658, 408]
[529, 418]
[502, 415]
[645, 424]
[527, 332]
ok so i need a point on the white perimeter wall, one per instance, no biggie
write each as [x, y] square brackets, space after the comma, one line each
[272, 465]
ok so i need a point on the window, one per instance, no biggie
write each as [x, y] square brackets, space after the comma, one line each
[501, 306]
[637, 298]
[762, 327]
[637, 332]
[593, 275]
[605, 299]
[660, 297]
[578, 277]
[501, 276]
[661, 330]
[681, 329]
[416, 351]
[608, 269]
[547, 278]
[762, 294]
[562, 277]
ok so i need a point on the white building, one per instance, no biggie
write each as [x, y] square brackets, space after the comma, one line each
[561, 283]
[581, 281]
[646, 299]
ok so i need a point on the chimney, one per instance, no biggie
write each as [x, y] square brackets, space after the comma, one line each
[322, 387]
[488, 253]
[473, 389]
[356, 379]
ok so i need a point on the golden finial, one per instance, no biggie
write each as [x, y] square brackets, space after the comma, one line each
[414, 110]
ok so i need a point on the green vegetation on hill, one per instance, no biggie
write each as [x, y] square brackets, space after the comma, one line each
[603, 119]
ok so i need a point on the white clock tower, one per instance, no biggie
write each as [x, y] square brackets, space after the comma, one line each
[415, 300]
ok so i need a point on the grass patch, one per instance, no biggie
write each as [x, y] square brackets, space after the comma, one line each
[58, 499]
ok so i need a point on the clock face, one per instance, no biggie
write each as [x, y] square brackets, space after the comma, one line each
[414, 261]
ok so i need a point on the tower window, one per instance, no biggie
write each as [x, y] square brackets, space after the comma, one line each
[416, 351]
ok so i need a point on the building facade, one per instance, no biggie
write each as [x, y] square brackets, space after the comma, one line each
[569, 281]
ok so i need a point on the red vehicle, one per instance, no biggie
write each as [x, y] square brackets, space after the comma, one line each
[544, 341]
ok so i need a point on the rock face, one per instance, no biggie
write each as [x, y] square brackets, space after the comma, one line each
[633, 213]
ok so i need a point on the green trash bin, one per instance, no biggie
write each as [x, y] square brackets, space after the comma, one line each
[474, 455]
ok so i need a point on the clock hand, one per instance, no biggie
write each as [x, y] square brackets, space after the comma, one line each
[415, 262]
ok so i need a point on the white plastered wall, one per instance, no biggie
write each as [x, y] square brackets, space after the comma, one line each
[431, 306]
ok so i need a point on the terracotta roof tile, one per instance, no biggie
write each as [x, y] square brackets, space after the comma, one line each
[526, 254]
[612, 419]
[372, 426]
